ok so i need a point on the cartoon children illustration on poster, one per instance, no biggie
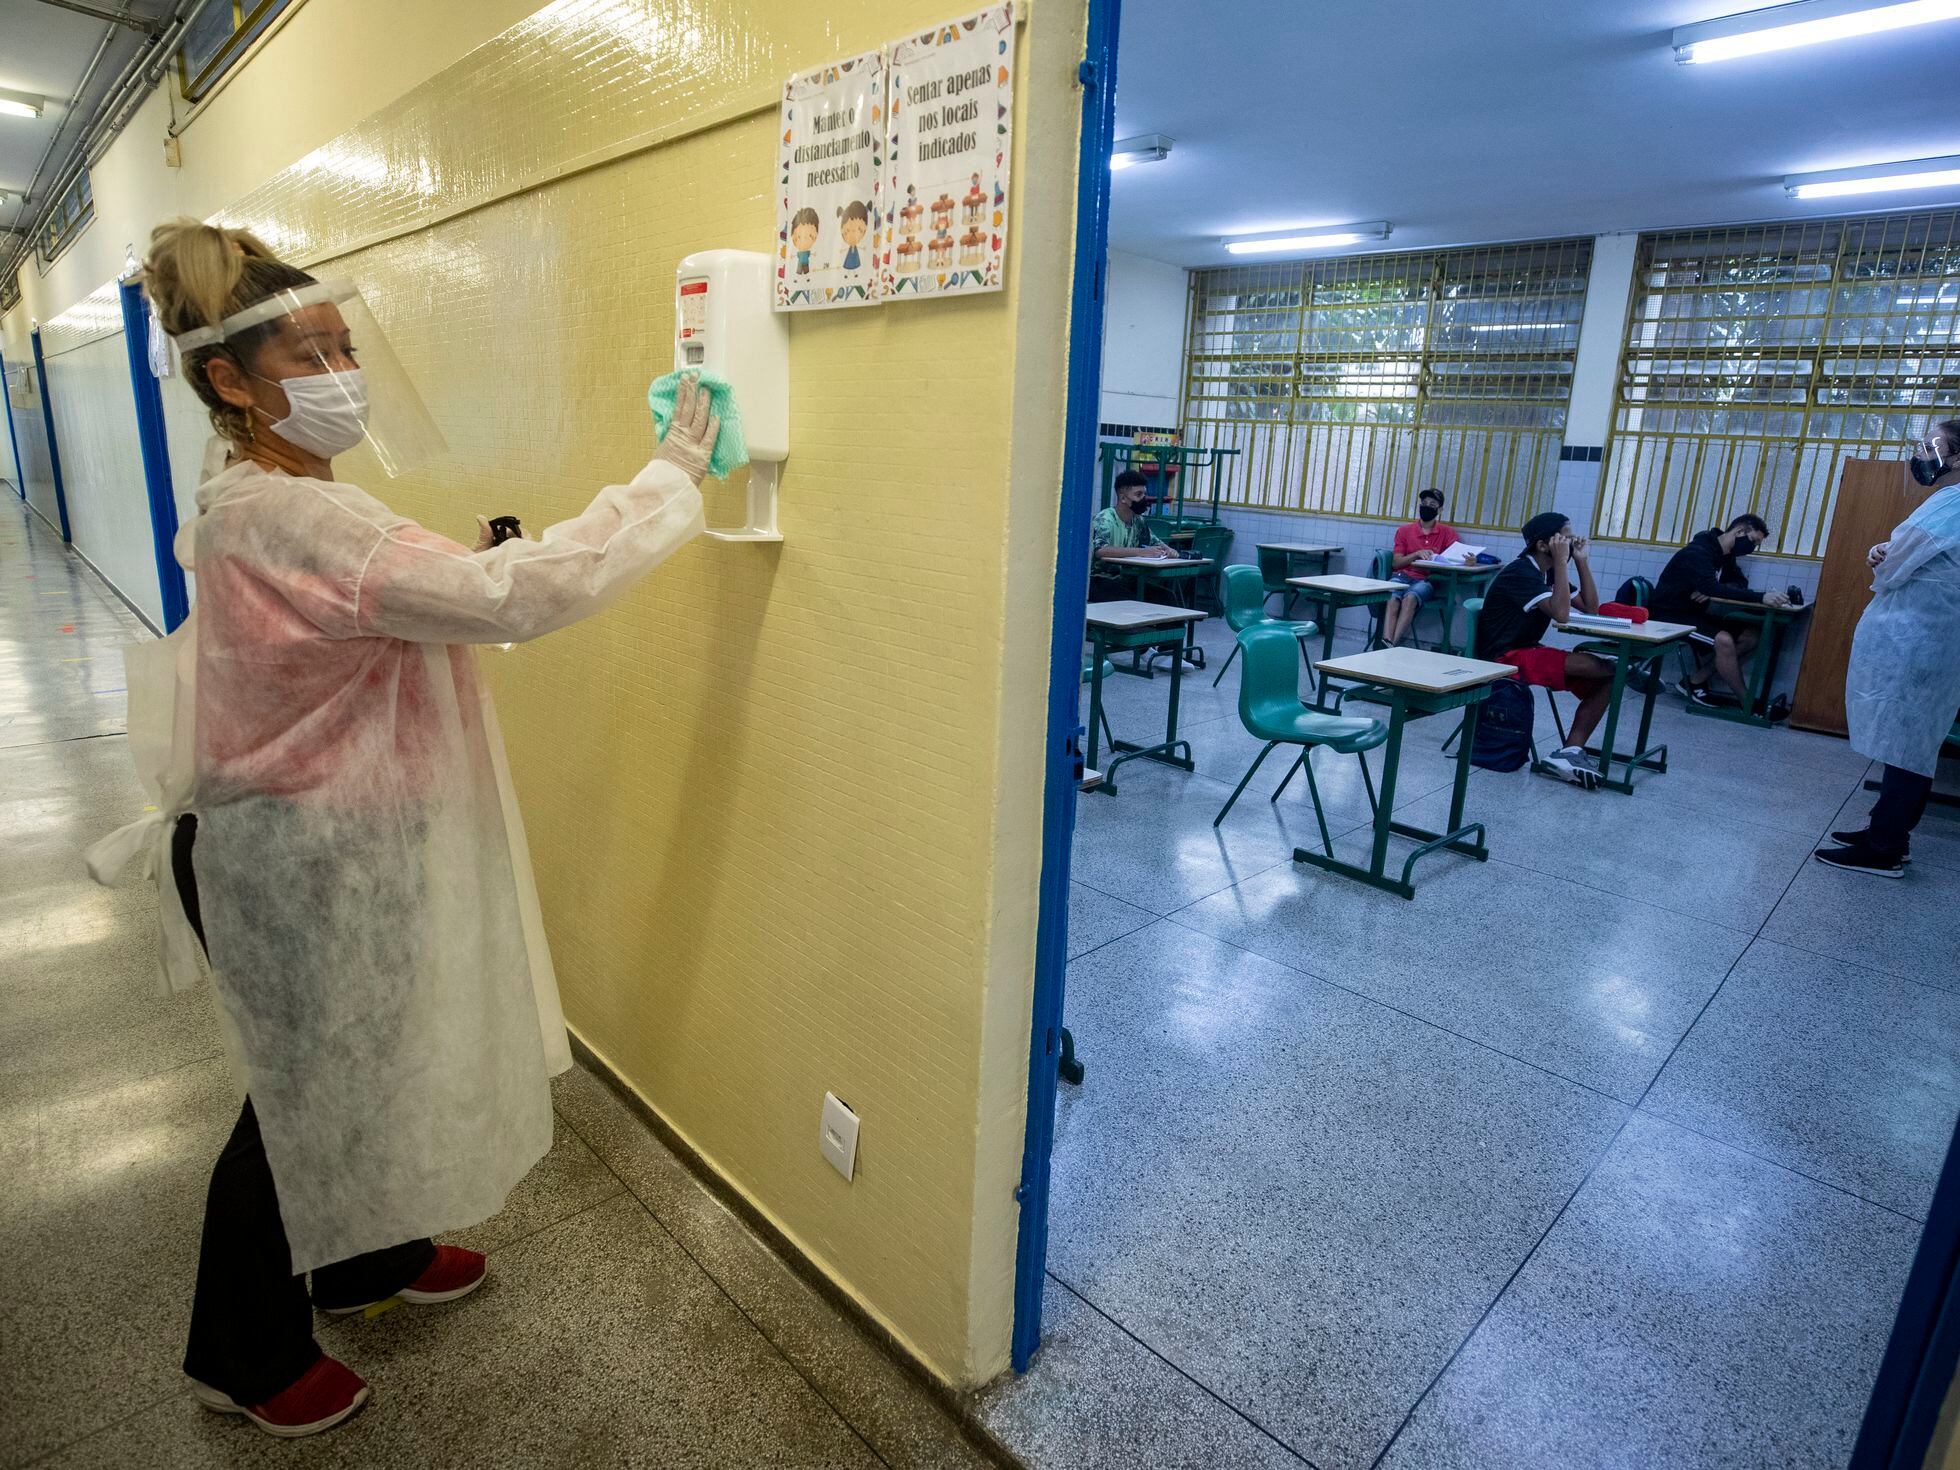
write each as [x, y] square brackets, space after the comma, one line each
[853, 220]
[830, 182]
[803, 237]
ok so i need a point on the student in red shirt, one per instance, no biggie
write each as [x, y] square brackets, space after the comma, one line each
[1417, 541]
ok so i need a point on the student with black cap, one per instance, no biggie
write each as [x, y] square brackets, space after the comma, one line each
[1525, 599]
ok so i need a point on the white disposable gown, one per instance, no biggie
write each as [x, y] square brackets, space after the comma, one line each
[1902, 686]
[366, 892]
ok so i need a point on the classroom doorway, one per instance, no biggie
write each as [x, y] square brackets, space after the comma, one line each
[1343, 1169]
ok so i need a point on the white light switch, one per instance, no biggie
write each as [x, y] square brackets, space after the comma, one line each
[838, 1137]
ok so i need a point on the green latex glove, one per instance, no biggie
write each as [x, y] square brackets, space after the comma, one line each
[731, 450]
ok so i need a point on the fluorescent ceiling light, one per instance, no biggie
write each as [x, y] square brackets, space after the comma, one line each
[1806, 23]
[21, 104]
[1877, 178]
[1144, 148]
[1314, 238]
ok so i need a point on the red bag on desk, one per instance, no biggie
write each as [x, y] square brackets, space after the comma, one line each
[1623, 610]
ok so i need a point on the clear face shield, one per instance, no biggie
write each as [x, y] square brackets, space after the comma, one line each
[344, 387]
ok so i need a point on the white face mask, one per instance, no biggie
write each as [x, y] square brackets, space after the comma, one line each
[327, 412]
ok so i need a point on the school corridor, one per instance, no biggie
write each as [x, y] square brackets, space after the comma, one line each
[629, 1319]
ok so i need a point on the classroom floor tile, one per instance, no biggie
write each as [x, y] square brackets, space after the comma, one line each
[1907, 926]
[1693, 1307]
[1153, 845]
[1585, 984]
[1707, 864]
[1324, 1150]
[1840, 1073]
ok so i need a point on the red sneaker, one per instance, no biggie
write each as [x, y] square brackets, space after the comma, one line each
[454, 1272]
[323, 1396]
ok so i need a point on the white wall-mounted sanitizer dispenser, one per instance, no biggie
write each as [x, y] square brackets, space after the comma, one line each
[725, 322]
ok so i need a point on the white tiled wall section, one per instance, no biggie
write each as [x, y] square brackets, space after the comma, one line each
[102, 468]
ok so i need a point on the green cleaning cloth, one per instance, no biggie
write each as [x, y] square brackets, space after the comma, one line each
[731, 449]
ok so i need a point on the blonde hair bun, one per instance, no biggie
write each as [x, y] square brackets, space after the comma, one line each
[199, 274]
[194, 270]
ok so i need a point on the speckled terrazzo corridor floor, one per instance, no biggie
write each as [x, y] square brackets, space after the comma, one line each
[629, 1318]
[1612, 1151]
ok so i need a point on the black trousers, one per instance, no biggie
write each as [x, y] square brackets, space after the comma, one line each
[251, 1321]
[1902, 797]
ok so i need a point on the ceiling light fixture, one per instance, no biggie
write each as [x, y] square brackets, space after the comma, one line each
[21, 104]
[1806, 23]
[1877, 178]
[1317, 237]
[1144, 148]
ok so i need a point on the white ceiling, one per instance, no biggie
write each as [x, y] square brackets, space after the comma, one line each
[43, 51]
[1468, 121]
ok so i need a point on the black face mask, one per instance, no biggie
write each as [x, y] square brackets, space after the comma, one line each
[1743, 546]
[1430, 512]
[1928, 471]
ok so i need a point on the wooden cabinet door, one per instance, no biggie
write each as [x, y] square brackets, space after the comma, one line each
[1874, 495]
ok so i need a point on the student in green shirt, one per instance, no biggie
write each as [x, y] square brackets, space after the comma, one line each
[1119, 534]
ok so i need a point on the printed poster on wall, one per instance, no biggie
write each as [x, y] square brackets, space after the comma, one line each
[833, 162]
[951, 120]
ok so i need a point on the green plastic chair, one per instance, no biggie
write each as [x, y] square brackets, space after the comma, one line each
[1245, 607]
[1270, 708]
[1275, 566]
[1212, 543]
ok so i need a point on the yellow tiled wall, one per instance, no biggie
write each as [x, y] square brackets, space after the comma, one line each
[784, 802]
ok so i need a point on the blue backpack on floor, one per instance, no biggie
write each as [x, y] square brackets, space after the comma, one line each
[1503, 740]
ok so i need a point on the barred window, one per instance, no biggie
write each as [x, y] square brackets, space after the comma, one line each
[71, 214]
[1349, 384]
[1757, 359]
[221, 33]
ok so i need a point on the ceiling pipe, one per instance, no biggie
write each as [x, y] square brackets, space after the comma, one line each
[114, 17]
[119, 102]
[67, 116]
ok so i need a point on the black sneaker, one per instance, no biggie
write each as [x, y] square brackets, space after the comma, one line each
[1570, 765]
[1856, 859]
[1857, 839]
[1706, 700]
[1779, 709]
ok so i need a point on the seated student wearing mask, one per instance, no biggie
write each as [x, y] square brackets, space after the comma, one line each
[1703, 569]
[1417, 541]
[1526, 598]
[1119, 534]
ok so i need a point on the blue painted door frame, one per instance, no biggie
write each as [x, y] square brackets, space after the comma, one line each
[1917, 1370]
[13, 434]
[54, 450]
[156, 454]
[1098, 77]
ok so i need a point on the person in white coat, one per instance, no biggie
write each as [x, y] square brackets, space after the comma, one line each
[1902, 686]
[347, 845]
